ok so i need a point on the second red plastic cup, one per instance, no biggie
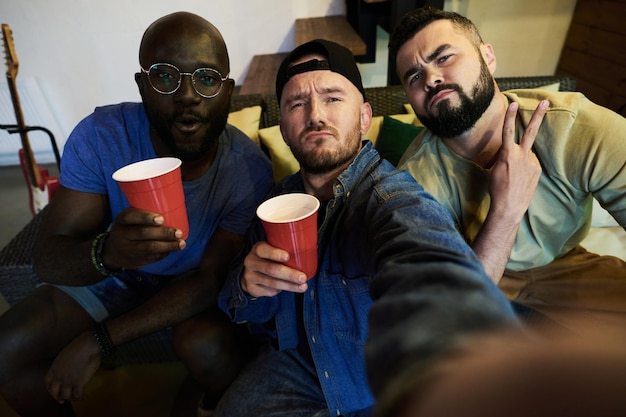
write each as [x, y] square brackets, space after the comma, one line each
[156, 185]
[290, 222]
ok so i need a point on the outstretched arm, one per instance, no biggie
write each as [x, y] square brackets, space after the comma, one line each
[513, 181]
[489, 372]
[430, 292]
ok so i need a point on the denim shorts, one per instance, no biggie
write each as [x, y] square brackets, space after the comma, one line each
[116, 295]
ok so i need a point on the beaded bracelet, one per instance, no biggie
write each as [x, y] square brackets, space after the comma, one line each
[107, 348]
[96, 255]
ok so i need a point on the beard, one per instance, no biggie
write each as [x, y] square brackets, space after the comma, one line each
[190, 151]
[454, 121]
[320, 160]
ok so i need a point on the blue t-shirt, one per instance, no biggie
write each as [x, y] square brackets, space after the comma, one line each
[226, 196]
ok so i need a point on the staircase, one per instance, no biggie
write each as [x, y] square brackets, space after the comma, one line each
[261, 76]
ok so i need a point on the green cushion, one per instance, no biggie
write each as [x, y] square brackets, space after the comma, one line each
[394, 137]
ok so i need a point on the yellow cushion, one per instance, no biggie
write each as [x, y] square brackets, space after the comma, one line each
[247, 120]
[410, 110]
[283, 161]
[372, 133]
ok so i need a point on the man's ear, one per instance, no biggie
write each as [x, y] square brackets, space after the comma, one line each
[366, 117]
[488, 54]
[230, 86]
[139, 83]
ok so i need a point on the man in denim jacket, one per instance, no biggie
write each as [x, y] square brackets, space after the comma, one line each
[380, 235]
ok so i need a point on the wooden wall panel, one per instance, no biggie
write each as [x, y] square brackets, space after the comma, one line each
[605, 14]
[597, 42]
[595, 52]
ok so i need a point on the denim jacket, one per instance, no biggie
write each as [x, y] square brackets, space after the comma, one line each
[377, 213]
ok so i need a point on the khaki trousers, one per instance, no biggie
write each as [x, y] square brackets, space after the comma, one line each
[579, 290]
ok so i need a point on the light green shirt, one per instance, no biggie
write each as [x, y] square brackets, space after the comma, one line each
[582, 150]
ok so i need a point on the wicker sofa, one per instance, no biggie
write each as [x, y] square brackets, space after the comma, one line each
[391, 99]
[17, 278]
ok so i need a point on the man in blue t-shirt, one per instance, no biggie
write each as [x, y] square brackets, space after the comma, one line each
[116, 273]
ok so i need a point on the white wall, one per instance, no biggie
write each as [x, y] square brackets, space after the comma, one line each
[527, 35]
[84, 53]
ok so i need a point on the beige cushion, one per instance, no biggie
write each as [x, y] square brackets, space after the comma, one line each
[600, 217]
[247, 120]
[550, 87]
[547, 87]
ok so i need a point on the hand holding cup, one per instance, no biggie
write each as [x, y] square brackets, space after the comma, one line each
[290, 223]
[156, 185]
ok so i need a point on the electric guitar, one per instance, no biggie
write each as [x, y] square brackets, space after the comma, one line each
[40, 185]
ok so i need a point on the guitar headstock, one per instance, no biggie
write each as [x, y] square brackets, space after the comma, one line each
[9, 51]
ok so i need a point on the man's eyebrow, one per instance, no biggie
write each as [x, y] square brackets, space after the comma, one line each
[327, 90]
[334, 90]
[437, 52]
[430, 58]
[295, 98]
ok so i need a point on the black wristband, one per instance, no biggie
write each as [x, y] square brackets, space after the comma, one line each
[107, 348]
[96, 255]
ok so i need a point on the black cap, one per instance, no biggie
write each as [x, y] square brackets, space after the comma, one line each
[339, 59]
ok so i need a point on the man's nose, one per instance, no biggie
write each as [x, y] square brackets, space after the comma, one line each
[316, 113]
[432, 78]
[186, 90]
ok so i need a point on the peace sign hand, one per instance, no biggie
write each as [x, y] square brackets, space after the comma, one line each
[514, 177]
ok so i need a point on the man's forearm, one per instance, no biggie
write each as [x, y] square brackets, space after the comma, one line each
[493, 245]
[66, 261]
[180, 301]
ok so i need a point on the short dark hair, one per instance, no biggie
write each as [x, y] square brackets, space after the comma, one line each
[416, 20]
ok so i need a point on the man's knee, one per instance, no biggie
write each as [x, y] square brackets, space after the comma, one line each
[11, 348]
[210, 346]
[34, 330]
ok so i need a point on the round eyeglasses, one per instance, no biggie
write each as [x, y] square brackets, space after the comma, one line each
[166, 79]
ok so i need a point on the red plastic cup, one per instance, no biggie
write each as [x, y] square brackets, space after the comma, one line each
[290, 222]
[156, 185]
